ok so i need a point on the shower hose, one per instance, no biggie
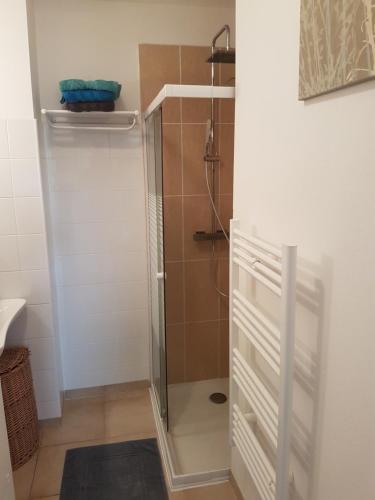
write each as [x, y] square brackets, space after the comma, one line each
[217, 216]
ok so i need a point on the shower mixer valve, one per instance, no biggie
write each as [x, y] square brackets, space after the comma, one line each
[211, 158]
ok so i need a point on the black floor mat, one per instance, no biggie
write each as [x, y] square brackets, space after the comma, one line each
[129, 471]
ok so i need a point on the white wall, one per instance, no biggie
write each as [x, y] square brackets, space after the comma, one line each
[95, 180]
[304, 173]
[15, 81]
[100, 38]
[98, 225]
[23, 257]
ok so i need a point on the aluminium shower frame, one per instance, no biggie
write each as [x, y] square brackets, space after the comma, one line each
[179, 481]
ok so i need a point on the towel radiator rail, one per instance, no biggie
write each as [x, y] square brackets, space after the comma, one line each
[275, 269]
[67, 120]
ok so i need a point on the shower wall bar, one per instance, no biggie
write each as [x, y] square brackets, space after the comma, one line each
[196, 91]
[275, 269]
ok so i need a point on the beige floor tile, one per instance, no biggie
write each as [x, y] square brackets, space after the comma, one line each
[128, 390]
[129, 416]
[223, 491]
[126, 414]
[83, 420]
[49, 468]
[129, 437]
[90, 392]
[23, 478]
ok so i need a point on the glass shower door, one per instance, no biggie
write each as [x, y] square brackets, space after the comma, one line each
[156, 250]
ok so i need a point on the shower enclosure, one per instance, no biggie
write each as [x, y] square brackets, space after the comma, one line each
[156, 252]
[189, 150]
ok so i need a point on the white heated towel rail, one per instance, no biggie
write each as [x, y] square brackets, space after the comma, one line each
[275, 269]
[112, 121]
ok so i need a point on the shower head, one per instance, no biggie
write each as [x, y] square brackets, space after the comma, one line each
[227, 55]
[223, 56]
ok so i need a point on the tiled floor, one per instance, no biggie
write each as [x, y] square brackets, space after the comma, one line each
[97, 416]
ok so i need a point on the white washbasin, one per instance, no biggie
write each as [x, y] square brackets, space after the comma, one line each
[9, 310]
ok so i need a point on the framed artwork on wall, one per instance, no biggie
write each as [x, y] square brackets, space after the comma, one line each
[337, 45]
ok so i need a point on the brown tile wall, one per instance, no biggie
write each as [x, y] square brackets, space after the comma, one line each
[196, 316]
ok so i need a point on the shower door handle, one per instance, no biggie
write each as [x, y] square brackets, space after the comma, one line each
[160, 276]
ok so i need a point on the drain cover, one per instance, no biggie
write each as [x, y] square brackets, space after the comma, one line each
[218, 398]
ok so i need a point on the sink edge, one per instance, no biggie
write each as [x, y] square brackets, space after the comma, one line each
[13, 307]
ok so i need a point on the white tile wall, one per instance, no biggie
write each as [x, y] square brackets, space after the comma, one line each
[29, 215]
[23, 257]
[103, 298]
[8, 217]
[32, 251]
[9, 260]
[42, 353]
[90, 327]
[97, 199]
[5, 179]
[34, 322]
[25, 176]
[4, 144]
[45, 382]
[33, 286]
[101, 236]
[114, 267]
[22, 139]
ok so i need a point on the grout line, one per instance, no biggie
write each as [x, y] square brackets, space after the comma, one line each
[198, 195]
[116, 252]
[34, 473]
[27, 339]
[180, 61]
[111, 282]
[37, 197]
[207, 259]
[197, 322]
[201, 195]
[124, 252]
[7, 135]
[197, 123]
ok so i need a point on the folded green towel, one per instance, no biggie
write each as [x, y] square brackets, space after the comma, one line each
[74, 84]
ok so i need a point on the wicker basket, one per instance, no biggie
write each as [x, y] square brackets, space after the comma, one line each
[19, 405]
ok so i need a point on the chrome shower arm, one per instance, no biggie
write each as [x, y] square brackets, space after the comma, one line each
[224, 29]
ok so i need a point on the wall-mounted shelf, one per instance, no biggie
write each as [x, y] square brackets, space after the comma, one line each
[203, 236]
[94, 120]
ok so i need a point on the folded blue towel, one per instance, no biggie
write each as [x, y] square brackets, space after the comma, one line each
[75, 84]
[87, 96]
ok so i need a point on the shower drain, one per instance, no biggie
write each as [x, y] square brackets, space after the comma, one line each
[218, 398]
